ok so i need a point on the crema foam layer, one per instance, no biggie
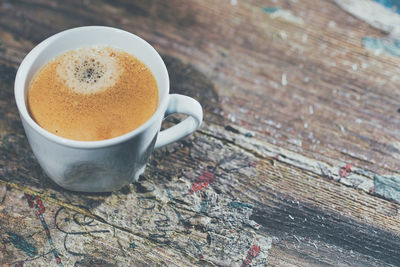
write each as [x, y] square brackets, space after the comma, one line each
[93, 93]
[89, 69]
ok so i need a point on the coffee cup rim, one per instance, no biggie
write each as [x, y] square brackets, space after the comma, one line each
[22, 75]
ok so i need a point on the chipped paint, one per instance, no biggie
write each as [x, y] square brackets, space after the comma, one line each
[270, 10]
[282, 14]
[387, 186]
[284, 79]
[20, 242]
[393, 5]
[374, 14]
[356, 178]
[236, 204]
[382, 45]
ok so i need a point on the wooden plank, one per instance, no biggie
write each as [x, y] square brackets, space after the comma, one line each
[299, 119]
[325, 219]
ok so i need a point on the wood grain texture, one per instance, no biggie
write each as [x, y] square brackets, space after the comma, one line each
[299, 119]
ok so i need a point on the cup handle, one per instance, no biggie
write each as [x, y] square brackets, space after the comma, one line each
[180, 104]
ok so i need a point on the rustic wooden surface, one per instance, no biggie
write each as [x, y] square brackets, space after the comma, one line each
[296, 163]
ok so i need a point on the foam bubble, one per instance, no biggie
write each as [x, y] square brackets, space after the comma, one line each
[89, 70]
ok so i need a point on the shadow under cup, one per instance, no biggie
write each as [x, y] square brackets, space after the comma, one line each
[94, 166]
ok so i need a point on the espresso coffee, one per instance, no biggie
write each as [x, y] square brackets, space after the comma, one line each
[93, 93]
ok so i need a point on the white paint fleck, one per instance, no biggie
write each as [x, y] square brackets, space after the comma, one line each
[288, 16]
[331, 24]
[243, 110]
[305, 125]
[341, 128]
[291, 217]
[306, 79]
[354, 67]
[296, 142]
[272, 123]
[231, 117]
[377, 52]
[310, 110]
[358, 121]
[282, 34]
[234, 2]
[284, 80]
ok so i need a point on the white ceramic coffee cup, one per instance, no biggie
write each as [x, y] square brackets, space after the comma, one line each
[107, 165]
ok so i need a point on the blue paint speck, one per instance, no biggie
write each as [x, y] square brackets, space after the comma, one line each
[249, 134]
[19, 242]
[236, 204]
[392, 4]
[132, 245]
[387, 186]
[390, 46]
[169, 193]
[270, 10]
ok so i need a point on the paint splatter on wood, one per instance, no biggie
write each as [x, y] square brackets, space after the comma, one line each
[382, 45]
[282, 184]
[387, 186]
[373, 13]
[286, 15]
[393, 5]
[19, 242]
[254, 251]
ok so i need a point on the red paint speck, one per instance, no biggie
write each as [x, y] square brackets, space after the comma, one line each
[344, 171]
[40, 204]
[253, 252]
[203, 181]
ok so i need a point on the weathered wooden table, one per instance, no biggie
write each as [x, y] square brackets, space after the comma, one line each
[296, 164]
